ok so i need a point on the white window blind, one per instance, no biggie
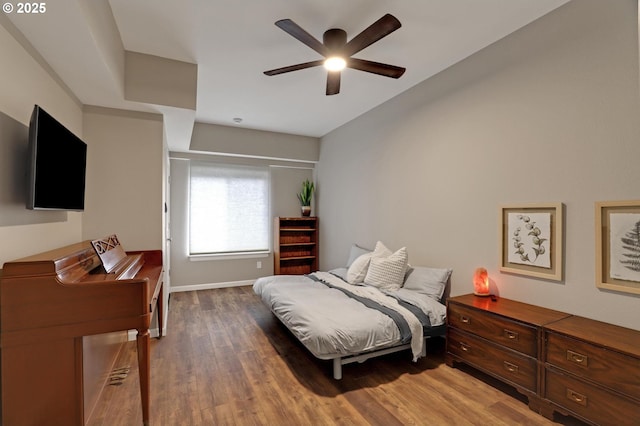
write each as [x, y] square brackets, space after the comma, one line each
[228, 209]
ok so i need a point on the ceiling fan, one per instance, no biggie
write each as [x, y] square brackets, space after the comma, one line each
[337, 51]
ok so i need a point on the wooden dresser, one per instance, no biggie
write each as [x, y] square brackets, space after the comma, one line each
[592, 371]
[561, 362]
[501, 338]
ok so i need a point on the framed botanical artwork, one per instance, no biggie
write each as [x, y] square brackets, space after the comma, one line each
[531, 240]
[618, 246]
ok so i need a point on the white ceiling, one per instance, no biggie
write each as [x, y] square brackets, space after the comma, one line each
[233, 42]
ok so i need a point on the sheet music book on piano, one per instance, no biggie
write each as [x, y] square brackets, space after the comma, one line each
[109, 251]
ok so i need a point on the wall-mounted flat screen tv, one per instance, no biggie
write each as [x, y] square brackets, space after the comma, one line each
[57, 165]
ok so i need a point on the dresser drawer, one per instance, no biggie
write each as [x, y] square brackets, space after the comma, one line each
[589, 402]
[507, 364]
[508, 333]
[610, 369]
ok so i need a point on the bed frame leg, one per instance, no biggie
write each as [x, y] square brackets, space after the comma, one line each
[337, 368]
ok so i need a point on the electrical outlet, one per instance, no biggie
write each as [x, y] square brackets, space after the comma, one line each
[259, 264]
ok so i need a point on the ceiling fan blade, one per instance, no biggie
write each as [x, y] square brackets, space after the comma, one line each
[379, 29]
[294, 67]
[333, 83]
[297, 32]
[376, 67]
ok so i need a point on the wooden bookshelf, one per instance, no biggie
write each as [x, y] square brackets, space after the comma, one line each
[295, 241]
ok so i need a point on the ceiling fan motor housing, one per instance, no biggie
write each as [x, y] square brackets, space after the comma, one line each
[334, 39]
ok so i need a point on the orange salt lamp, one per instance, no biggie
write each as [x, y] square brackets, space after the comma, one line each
[481, 282]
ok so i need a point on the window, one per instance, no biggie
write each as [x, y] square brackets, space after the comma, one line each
[228, 209]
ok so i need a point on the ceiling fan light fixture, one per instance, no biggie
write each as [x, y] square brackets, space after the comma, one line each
[335, 63]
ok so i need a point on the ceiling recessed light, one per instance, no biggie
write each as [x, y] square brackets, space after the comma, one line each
[335, 63]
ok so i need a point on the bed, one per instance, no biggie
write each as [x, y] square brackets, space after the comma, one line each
[376, 305]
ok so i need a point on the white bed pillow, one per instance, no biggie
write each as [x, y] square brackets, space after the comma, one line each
[381, 250]
[358, 269]
[387, 272]
[428, 281]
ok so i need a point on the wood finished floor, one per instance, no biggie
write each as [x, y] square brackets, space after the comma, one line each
[228, 361]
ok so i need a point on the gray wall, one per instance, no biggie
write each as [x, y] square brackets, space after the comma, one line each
[236, 141]
[286, 181]
[124, 193]
[550, 113]
[26, 80]
[126, 147]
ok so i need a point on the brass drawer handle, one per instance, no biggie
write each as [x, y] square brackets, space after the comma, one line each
[511, 335]
[465, 320]
[511, 368]
[576, 397]
[464, 347]
[577, 358]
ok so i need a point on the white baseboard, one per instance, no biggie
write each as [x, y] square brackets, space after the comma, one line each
[195, 287]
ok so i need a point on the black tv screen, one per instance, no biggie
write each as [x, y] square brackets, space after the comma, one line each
[57, 165]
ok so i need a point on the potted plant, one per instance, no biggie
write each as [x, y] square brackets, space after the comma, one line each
[305, 196]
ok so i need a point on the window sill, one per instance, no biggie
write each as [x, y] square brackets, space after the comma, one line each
[228, 256]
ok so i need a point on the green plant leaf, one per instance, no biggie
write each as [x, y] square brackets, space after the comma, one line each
[305, 195]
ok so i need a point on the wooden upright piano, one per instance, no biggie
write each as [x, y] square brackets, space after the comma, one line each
[48, 303]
